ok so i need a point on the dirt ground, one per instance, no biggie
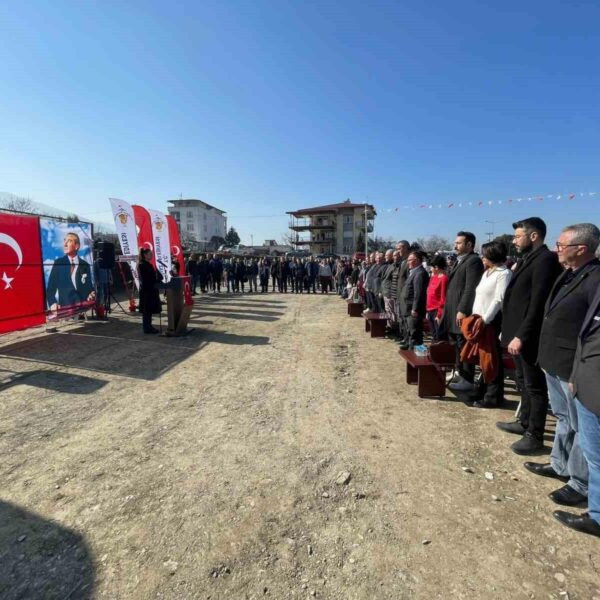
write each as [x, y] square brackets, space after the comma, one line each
[205, 467]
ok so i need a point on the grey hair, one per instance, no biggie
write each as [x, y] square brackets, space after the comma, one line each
[586, 234]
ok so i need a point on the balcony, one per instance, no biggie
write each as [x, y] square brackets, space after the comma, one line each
[314, 224]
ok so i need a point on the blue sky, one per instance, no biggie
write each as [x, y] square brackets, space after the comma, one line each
[263, 107]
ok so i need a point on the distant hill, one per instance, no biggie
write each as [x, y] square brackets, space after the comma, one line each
[28, 205]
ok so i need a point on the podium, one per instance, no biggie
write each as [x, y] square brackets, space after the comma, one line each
[179, 305]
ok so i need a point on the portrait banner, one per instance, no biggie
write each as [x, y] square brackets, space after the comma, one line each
[162, 246]
[68, 272]
[21, 278]
[176, 249]
[126, 232]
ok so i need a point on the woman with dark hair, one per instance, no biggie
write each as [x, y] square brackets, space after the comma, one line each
[149, 298]
[436, 295]
[488, 305]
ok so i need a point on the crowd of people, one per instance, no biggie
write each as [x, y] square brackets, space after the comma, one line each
[210, 273]
[541, 310]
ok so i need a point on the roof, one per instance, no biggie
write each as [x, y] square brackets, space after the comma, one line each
[330, 208]
[181, 201]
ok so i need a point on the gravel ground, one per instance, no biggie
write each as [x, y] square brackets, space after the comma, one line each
[274, 452]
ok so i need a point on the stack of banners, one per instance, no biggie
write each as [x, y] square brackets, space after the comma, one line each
[161, 242]
[126, 232]
[21, 283]
[68, 273]
[176, 250]
[46, 267]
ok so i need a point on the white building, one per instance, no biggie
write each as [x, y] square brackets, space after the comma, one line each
[198, 220]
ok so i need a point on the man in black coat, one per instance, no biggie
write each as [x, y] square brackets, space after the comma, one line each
[70, 280]
[585, 383]
[523, 313]
[462, 282]
[566, 307]
[413, 301]
[312, 272]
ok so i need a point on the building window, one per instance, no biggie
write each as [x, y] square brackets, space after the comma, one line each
[175, 215]
[190, 227]
[348, 219]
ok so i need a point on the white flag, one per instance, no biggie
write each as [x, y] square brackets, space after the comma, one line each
[162, 245]
[125, 225]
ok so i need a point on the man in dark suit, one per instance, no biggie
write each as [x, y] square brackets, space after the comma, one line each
[523, 313]
[462, 282]
[564, 312]
[413, 301]
[70, 280]
[403, 249]
[585, 383]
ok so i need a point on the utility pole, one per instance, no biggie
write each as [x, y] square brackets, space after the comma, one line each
[366, 233]
[251, 240]
[491, 233]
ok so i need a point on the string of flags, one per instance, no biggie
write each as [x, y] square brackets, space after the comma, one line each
[485, 203]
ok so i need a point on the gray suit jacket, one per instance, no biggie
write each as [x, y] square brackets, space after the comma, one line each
[586, 366]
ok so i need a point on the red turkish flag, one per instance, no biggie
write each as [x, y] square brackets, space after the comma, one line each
[176, 250]
[143, 226]
[21, 277]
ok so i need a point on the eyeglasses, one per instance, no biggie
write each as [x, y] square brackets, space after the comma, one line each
[560, 246]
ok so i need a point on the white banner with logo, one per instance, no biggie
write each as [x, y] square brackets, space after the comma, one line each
[162, 246]
[126, 232]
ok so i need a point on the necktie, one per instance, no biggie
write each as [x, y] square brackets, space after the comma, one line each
[72, 268]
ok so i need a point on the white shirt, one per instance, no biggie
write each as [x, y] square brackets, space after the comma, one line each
[490, 293]
[74, 262]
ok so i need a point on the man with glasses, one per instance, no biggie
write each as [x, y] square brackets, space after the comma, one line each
[523, 313]
[566, 307]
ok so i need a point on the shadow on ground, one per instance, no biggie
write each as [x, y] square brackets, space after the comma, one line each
[55, 381]
[41, 559]
[119, 347]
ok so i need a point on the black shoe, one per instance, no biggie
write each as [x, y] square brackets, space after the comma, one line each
[583, 523]
[527, 445]
[484, 404]
[512, 427]
[544, 469]
[567, 496]
[404, 346]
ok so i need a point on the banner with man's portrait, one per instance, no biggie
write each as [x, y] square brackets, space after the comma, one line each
[68, 267]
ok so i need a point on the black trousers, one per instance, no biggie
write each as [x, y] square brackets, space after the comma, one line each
[493, 392]
[282, 282]
[413, 330]
[534, 395]
[147, 321]
[465, 370]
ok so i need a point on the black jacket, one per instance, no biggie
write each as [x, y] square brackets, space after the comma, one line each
[462, 282]
[60, 283]
[414, 292]
[149, 298]
[564, 312]
[586, 366]
[386, 279]
[526, 294]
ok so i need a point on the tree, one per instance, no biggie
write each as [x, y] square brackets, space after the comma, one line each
[360, 242]
[507, 238]
[216, 241]
[232, 238]
[18, 204]
[433, 244]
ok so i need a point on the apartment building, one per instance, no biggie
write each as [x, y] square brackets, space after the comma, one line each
[332, 228]
[197, 220]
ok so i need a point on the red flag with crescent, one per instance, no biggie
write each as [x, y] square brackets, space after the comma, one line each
[176, 250]
[21, 277]
[143, 226]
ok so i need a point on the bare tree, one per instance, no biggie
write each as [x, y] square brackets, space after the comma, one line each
[17, 204]
[434, 243]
